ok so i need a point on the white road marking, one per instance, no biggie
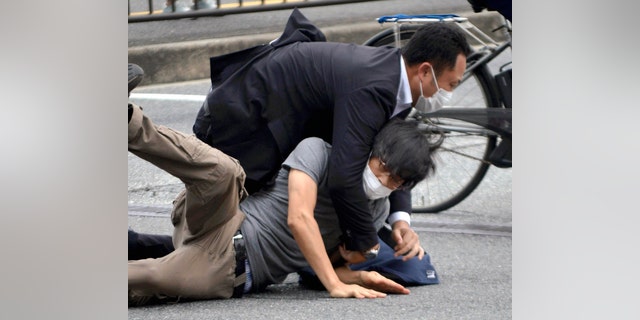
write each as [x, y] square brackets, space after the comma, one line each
[168, 97]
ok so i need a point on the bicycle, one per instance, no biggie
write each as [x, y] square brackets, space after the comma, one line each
[476, 125]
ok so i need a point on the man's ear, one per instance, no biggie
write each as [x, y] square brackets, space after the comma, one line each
[423, 70]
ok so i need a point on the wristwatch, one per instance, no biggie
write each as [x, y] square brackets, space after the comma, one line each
[371, 253]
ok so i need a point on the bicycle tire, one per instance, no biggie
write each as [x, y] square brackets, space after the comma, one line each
[456, 176]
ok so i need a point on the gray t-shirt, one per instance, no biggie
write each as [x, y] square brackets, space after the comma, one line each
[271, 249]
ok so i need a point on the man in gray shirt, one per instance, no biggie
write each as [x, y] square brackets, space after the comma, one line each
[227, 244]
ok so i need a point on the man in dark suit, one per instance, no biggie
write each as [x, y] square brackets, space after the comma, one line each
[264, 100]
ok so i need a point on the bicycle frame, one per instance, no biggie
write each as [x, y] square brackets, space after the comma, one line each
[483, 56]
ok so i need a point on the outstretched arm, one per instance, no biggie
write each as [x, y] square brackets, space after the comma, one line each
[302, 201]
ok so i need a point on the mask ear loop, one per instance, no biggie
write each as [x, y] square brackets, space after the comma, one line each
[434, 78]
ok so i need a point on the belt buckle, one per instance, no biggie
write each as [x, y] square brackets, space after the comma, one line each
[241, 256]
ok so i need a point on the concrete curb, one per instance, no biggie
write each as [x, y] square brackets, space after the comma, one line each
[185, 61]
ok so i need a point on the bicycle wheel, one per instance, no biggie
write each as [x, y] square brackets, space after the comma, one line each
[460, 163]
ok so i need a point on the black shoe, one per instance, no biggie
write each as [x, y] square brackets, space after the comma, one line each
[135, 76]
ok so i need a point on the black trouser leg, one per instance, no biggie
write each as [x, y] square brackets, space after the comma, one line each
[143, 246]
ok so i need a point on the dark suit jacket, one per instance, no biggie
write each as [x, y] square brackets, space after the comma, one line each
[266, 99]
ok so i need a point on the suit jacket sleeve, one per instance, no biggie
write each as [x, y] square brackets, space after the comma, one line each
[400, 200]
[357, 119]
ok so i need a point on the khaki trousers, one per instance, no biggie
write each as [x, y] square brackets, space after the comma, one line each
[205, 216]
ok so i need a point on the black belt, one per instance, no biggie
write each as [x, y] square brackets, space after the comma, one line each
[241, 256]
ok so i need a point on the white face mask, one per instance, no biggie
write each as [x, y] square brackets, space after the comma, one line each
[435, 102]
[373, 188]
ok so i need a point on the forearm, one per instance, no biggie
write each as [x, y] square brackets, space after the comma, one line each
[348, 276]
[400, 200]
[302, 223]
[354, 133]
[307, 235]
[356, 225]
[352, 208]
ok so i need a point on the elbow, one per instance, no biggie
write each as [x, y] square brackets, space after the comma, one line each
[295, 223]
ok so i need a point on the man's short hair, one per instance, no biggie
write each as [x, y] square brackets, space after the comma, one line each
[406, 150]
[439, 43]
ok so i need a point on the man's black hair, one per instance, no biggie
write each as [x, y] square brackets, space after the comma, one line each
[406, 150]
[439, 43]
